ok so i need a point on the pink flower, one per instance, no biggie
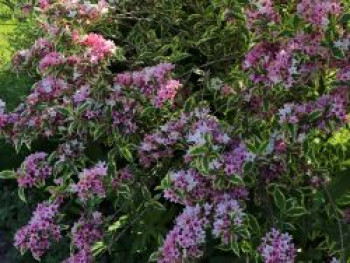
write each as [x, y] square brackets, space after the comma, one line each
[261, 11]
[277, 248]
[316, 12]
[52, 59]
[44, 4]
[98, 47]
[227, 213]
[186, 239]
[154, 82]
[36, 236]
[87, 231]
[167, 92]
[83, 256]
[34, 170]
[91, 182]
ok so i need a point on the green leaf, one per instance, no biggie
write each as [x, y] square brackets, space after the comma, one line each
[262, 147]
[279, 198]
[118, 224]
[153, 257]
[254, 224]
[345, 19]
[235, 247]
[315, 115]
[64, 111]
[82, 108]
[7, 174]
[205, 164]
[293, 129]
[21, 194]
[165, 183]
[197, 150]
[236, 180]
[149, 111]
[99, 132]
[146, 193]
[98, 248]
[248, 167]
[157, 205]
[246, 247]
[344, 200]
[337, 52]
[189, 104]
[126, 153]
[296, 211]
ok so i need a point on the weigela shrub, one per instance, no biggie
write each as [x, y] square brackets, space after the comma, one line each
[233, 153]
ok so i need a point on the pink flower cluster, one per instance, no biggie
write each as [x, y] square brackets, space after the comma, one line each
[261, 13]
[43, 4]
[91, 182]
[40, 49]
[205, 125]
[82, 256]
[34, 170]
[228, 215]
[42, 54]
[317, 12]
[330, 106]
[234, 159]
[160, 145]
[154, 82]
[83, 11]
[281, 62]
[47, 89]
[272, 59]
[124, 110]
[277, 248]
[85, 233]
[167, 92]
[123, 176]
[82, 94]
[272, 170]
[343, 74]
[186, 239]
[195, 127]
[37, 235]
[98, 48]
[52, 59]
[188, 187]
[70, 149]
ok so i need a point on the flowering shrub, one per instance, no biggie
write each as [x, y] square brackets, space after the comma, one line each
[233, 153]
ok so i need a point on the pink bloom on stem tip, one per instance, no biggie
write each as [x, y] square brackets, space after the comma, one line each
[34, 170]
[91, 182]
[37, 235]
[98, 47]
[50, 60]
[87, 230]
[185, 240]
[277, 248]
[167, 92]
[43, 4]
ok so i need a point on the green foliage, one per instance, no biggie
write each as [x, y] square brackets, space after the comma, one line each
[195, 35]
